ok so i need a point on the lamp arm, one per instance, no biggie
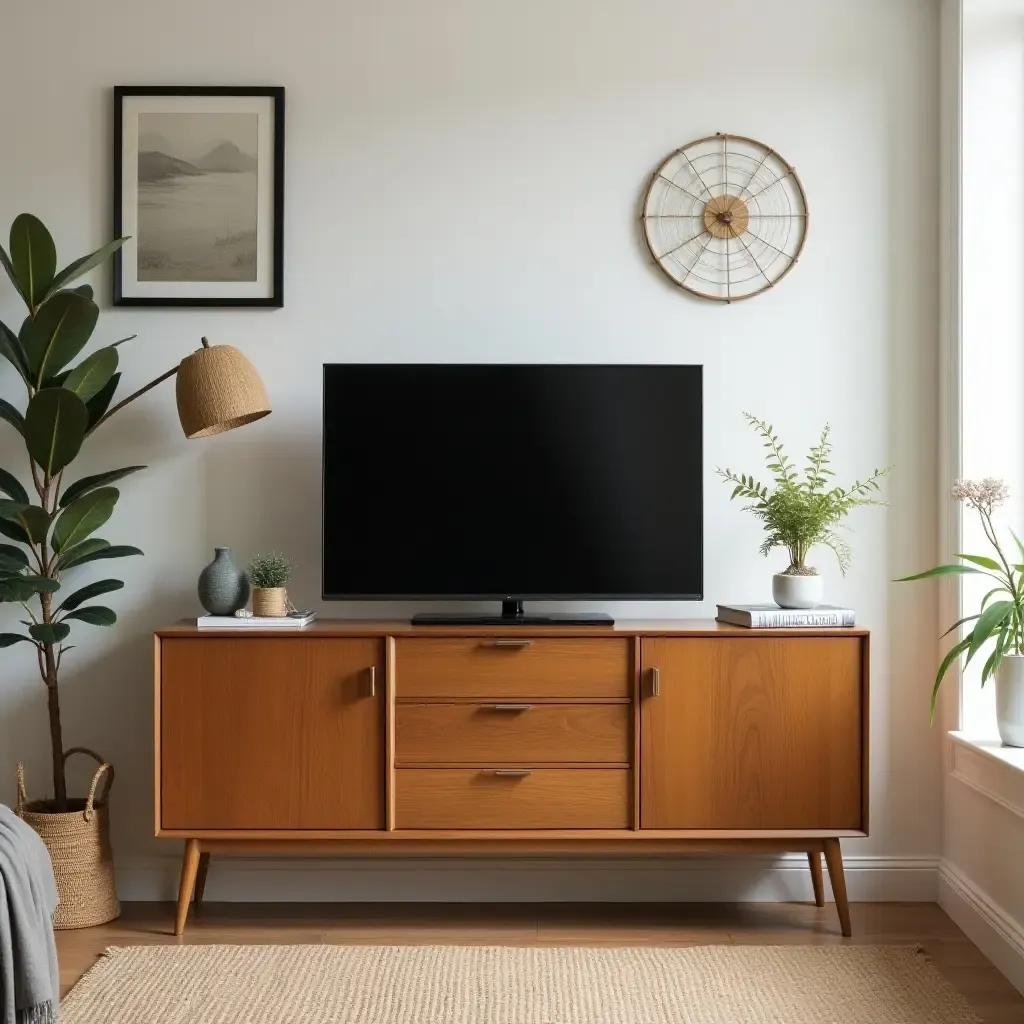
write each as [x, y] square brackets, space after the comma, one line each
[135, 394]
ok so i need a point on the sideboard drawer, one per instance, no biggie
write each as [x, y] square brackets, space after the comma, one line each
[460, 798]
[512, 733]
[507, 667]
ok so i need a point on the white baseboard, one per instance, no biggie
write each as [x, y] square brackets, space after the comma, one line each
[983, 921]
[754, 879]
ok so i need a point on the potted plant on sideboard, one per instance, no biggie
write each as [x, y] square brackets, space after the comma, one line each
[53, 520]
[800, 513]
[269, 576]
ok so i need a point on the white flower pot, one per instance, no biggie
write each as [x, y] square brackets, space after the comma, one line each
[1010, 700]
[797, 591]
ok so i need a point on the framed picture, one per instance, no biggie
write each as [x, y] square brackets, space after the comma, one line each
[199, 187]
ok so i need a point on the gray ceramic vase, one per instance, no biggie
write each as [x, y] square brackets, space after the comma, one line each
[223, 587]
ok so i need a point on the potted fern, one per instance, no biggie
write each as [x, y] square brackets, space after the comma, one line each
[800, 513]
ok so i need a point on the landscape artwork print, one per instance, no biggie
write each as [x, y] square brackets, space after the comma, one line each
[197, 212]
[199, 196]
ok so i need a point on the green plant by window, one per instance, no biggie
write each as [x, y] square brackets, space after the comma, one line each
[799, 513]
[998, 620]
[269, 571]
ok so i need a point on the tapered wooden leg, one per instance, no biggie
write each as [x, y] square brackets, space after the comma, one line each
[189, 869]
[204, 866]
[834, 860]
[814, 861]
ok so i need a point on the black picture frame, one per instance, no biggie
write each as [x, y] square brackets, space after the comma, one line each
[275, 93]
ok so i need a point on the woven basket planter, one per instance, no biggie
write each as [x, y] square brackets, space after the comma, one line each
[78, 841]
[271, 602]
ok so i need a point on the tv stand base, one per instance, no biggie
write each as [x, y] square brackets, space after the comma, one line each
[512, 614]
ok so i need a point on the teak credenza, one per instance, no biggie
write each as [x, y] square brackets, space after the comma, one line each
[643, 738]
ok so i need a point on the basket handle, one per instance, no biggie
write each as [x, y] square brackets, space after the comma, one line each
[104, 767]
[19, 807]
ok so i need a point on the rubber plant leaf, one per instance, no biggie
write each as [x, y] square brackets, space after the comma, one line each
[55, 426]
[90, 376]
[85, 264]
[5, 262]
[40, 584]
[105, 551]
[49, 632]
[100, 402]
[11, 486]
[12, 555]
[9, 413]
[15, 531]
[83, 552]
[33, 256]
[83, 517]
[95, 615]
[13, 351]
[10, 639]
[79, 597]
[90, 483]
[57, 333]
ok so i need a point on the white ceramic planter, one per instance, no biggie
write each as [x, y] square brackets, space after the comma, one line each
[1010, 700]
[797, 591]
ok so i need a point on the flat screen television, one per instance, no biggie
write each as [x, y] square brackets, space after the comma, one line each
[512, 483]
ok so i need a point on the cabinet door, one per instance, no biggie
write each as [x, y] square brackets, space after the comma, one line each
[752, 733]
[277, 733]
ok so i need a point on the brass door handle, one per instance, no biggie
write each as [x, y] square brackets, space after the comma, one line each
[508, 707]
[373, 680]
[510, 773]
[655, 682]
[511, 644]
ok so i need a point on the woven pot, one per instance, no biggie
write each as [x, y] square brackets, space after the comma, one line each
[271, 602]
[78, 841]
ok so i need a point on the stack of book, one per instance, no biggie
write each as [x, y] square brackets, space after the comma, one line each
[293, 620]
[771, 616]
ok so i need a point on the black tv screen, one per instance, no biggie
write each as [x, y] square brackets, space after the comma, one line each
[498, 481]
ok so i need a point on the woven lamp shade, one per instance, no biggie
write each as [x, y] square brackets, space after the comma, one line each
[218, 389]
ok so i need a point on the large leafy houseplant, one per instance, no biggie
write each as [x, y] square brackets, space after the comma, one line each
[801, 512]
[53, 521]
[1000, 617]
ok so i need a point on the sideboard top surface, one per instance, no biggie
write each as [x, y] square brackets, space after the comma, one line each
[402, 628]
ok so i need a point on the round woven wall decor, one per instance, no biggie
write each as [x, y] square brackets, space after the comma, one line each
[725, 217]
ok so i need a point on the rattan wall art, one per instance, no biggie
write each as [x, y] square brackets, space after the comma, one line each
[725, 217]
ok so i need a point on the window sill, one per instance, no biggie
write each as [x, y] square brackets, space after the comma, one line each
[989, 768]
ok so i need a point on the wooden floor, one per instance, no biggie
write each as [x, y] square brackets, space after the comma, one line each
[992, 996]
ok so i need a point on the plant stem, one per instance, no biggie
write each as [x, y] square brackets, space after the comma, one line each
[60, 792]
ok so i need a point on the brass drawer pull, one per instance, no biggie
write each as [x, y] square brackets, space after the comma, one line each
[511, 773]
[508, 707]
[510, 644]
[655, 682]
[373, 681]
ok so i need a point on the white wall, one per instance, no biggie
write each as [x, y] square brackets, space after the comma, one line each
[463, 183]
[981, 883]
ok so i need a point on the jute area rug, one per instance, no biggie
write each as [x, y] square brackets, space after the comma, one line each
[502, 985]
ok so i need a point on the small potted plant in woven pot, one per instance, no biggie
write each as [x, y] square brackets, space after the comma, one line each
[799, 513]
[268, 576]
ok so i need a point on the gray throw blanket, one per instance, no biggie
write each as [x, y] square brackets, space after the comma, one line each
[29, 980]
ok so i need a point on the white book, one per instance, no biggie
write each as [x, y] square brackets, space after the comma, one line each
[771, 616]
[293, 620]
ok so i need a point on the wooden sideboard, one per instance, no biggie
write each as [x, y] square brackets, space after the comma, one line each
[640, 738]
